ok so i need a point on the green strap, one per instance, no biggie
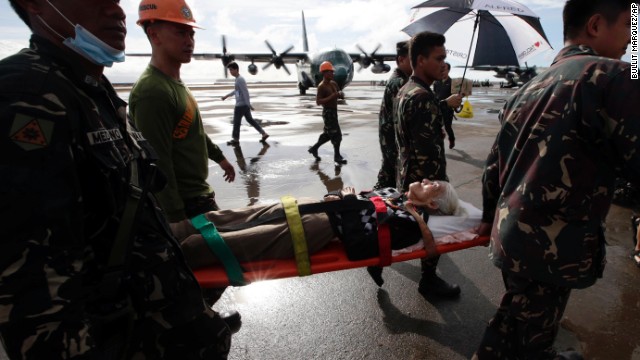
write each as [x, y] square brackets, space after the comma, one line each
[294, 221]
[217, 245]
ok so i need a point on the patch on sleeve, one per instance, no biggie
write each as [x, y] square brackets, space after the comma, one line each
[30, 133]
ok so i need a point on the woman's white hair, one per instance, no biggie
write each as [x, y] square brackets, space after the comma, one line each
[448, 201]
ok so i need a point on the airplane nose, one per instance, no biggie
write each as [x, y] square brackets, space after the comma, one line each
[340, 76]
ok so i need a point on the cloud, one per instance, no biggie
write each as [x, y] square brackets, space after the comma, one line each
[247, 23]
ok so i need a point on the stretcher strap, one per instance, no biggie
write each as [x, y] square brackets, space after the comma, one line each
[384, 234]
[217, 245]
[297, 235]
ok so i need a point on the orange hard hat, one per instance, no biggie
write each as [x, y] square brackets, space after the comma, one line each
[326, 66]
[176, 11]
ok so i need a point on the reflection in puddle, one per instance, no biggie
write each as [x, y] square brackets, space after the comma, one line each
[250, 173]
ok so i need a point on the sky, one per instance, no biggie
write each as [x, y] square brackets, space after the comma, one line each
[247, 23]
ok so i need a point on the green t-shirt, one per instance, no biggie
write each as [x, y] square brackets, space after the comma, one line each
[167, 114]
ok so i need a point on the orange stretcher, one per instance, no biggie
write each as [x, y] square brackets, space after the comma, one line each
[330, 258]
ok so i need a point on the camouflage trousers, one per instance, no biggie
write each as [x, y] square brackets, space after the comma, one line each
[387, 173]
[428, 265]
[447, 119]
[526, 323]
[116, 334]
[331, 131]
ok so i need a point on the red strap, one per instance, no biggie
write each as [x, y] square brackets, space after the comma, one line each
[384, 234]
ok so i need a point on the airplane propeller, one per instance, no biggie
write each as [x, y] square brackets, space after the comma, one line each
[226, 58]
[367, 59]
[276, 59]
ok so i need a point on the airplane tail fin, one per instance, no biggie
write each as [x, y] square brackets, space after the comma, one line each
[305, 42]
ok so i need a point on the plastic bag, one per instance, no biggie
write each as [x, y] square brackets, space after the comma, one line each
[467, 110]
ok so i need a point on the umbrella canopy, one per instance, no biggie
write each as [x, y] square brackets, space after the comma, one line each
[508, 33]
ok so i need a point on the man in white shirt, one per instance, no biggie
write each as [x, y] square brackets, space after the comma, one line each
[243, 106]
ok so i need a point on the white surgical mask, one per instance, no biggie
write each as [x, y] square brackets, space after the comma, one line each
[87, 44]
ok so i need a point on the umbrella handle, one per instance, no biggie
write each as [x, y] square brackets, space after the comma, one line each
[464, 73]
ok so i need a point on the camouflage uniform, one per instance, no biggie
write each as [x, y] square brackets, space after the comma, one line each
[548, 185]
[443, 91]
[331, 131]
[419, 135]
[387, 132]
[66, 169]
[420, 143]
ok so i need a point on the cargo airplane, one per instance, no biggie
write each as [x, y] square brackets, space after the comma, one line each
[308, 65]
[514, 75]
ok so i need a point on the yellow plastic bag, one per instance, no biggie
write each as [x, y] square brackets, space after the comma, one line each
[467, 110]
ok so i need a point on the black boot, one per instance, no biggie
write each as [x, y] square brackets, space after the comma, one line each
[314, 151]
[376, 274]
[337, 158]
[433, 285]
[233, 320]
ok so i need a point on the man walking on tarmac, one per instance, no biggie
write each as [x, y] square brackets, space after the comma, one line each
[327, 96]
[168, 116]
[386, 130]
[88, 266]
[243, 106]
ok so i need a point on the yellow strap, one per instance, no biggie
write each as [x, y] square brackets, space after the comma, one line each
[294, 221]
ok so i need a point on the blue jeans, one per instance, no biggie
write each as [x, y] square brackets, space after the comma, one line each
[238, 113]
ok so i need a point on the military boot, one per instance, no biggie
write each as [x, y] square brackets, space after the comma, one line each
[314, 151]
[337, 158]
[433, 285]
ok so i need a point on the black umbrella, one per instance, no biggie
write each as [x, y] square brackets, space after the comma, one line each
[509, 33]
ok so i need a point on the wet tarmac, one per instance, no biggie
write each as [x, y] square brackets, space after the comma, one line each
[344, 315]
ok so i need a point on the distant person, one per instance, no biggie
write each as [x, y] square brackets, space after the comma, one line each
[442, 88]
[419, 136]
[549, 178]
[386, 127]
[89, 268]
[243, 106]
[168, 116]
[327, 96]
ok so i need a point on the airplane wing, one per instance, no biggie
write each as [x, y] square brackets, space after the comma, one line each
[289, 58]
[257, 57]
[358, 58]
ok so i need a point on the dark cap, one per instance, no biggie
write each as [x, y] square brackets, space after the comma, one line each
[402, 48]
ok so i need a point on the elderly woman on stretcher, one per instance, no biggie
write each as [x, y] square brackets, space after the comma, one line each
[429, 213]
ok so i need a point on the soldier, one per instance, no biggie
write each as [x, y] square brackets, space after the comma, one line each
[549, 178]
[327, 96]
[88, 266]
[167, 114]
[419, 136]
[387, 133]
[442, 88]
